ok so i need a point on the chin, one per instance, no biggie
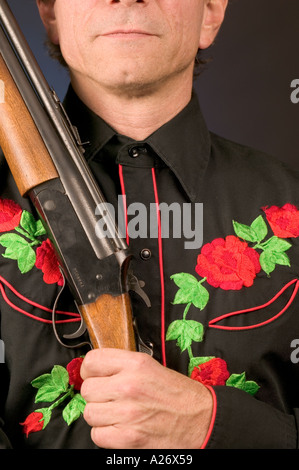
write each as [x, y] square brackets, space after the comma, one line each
[129, 81]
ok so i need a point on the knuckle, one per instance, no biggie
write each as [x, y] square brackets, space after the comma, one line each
[84, 371]
[129, 389]
[87, 413]
[132, 413]
[141, 360]
[134, 439]
[96, 436]
[85, 389]
[89, 359]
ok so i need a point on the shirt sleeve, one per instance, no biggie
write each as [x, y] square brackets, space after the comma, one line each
[243, 422]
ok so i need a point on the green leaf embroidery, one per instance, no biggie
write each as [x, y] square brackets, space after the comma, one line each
[33, 228]
[185, 331]
[245, 232]
[267, 262]
[277, 245]
[269, 259]
[184, 280]
[239, 381]
[60, 377]
[17, 248]
[40, 229]
[200, 296]
[47, 394]
[274, 253]
[47, 413]
[256, 232]
[260, 228]
[74, 409]
[51, 386]
[282, 259]
[41, 380]
[190, 290]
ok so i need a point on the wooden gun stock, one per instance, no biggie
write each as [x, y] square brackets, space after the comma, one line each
[107, 319]
[23, 147]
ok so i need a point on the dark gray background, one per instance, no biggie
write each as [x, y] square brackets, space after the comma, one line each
[245, 90]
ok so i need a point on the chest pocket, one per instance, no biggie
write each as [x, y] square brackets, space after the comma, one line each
[260, 315]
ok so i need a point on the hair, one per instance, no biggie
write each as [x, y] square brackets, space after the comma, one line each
[54, 51]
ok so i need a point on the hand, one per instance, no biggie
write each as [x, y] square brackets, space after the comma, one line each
[135, 402]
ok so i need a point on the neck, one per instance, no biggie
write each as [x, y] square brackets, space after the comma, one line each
[135, 114]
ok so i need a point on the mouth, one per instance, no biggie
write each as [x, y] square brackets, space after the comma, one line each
[127, 33]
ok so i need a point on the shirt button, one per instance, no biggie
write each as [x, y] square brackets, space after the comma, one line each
[145, 254]
[134, 152]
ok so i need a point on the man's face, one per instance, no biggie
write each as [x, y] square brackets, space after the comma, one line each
[128, 44]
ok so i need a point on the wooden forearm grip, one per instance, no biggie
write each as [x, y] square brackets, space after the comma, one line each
[23, 147]
[109, 322]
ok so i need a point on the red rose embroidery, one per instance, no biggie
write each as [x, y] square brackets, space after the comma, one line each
[33, 423]
[46, 260]
[213, 372]
[228, 263]
[10, 215]
[284, 220]
[73, 369]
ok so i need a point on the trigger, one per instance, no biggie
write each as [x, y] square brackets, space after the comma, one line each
[137, 286]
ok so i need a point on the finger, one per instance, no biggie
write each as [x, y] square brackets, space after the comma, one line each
[100, 389]
[108, 361]
[102, 414]
[116, 437]
[112, 413]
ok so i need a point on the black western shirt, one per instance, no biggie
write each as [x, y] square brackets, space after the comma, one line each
[213, 230]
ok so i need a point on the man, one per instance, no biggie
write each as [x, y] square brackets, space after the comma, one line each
[131, 66]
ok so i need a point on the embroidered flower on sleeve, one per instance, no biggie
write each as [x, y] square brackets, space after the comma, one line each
[228, 263]
[46, 260]
[284, 220]
[212, 372]
[10, 215]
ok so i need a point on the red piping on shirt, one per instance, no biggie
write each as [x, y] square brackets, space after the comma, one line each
[34, 304]
[122, 184]
[211, 427]
[216, 320]
[161, 269]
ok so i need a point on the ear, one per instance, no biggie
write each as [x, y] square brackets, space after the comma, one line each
[214, 11]
[47, 13]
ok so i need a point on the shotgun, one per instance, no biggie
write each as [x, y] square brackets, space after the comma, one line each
[46, 158]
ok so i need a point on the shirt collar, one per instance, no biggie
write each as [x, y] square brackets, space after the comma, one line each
[183, 143]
